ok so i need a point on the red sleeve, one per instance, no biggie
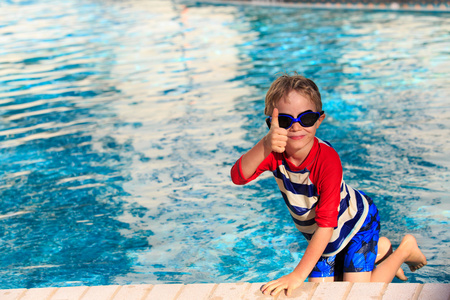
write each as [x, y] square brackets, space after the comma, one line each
[268, 164]
[328, 187]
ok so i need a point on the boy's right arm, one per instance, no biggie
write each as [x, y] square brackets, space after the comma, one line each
[275, 141]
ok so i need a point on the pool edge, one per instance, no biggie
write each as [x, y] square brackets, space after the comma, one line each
[393, 6]
[233, 291]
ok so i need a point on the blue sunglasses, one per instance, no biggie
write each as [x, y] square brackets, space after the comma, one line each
[306, 119]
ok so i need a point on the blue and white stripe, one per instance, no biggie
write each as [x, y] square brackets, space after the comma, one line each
[301, 197]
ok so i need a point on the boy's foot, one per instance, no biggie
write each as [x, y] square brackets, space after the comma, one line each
[384, 250]
[415, 259]
[401, 275]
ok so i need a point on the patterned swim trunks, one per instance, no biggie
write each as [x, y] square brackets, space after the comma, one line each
[360, 253]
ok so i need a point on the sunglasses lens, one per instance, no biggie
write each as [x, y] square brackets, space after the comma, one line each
[306, 119]
[309, 119]
[284, 122]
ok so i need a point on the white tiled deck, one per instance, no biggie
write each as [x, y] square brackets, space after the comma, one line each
[236, 291]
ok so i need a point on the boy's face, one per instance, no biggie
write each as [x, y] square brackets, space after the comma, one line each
[299, 137]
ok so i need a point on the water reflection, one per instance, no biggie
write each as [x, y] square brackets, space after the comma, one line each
[62, 172]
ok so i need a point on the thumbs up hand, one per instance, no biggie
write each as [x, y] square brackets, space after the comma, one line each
[276, 139]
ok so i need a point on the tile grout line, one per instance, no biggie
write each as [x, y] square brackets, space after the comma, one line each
[383, 290]
[116, 292]
[84, 293]
[417, 292]
[313, 291]
[22, 294]
[179, 292]
[52, 294]
[147, 292]
[212, 291]
[246, 290]
[347, 292]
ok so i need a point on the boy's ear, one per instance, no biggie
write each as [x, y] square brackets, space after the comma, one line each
[319, 121]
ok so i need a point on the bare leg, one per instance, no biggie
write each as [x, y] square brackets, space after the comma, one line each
[320, 279]
[357, 276]
[408, 252]
[384, 250]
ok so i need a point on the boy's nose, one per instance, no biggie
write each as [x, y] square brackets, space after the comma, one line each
[296, 126]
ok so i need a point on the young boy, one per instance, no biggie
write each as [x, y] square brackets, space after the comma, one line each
[340, 223]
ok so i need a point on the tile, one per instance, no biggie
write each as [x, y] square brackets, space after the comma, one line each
[137, 292]
[304, 292]
[103, 292]
[196, 291]
[332, 290]
[34, 294]
[364, 290]
[164, 291]
[12, 294]
[69, 293]
[230, 291]
[404, 291]
[254, 292]
[435, 291]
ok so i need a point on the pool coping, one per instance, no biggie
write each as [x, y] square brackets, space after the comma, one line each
[345, 4]
[235, 291]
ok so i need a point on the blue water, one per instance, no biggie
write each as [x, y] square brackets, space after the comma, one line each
[120, 120]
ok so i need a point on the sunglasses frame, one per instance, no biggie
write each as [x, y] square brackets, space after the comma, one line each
[293, 120]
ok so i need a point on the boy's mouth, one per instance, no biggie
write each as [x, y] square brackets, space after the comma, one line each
[296, 137]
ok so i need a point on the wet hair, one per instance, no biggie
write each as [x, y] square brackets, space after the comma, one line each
[284, 84]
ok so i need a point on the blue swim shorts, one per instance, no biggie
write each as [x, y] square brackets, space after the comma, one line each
[360, 253]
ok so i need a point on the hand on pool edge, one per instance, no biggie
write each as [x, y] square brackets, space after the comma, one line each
[288, 282]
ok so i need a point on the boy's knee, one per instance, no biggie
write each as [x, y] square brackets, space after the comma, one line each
[384, 242]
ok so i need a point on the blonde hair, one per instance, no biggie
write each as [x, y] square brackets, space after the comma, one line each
[284, 84]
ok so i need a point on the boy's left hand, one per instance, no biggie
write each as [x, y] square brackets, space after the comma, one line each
[289, 283]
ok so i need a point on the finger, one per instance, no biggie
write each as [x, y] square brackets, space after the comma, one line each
[265, 286]
[269, 287]
[280, 134]
[279, 143]
[280, 131]
[274, 122]
[279, 149]
[276, 291]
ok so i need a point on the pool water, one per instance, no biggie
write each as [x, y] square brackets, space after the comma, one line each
[120, 121]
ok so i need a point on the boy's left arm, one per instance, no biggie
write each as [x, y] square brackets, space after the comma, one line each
[313, 252]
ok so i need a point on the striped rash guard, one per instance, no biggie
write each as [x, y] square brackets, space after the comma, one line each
[315, 193]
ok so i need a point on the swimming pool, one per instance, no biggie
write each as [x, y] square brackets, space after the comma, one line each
[120, 122]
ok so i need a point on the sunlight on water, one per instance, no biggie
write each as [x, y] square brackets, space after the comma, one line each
[120, 121]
